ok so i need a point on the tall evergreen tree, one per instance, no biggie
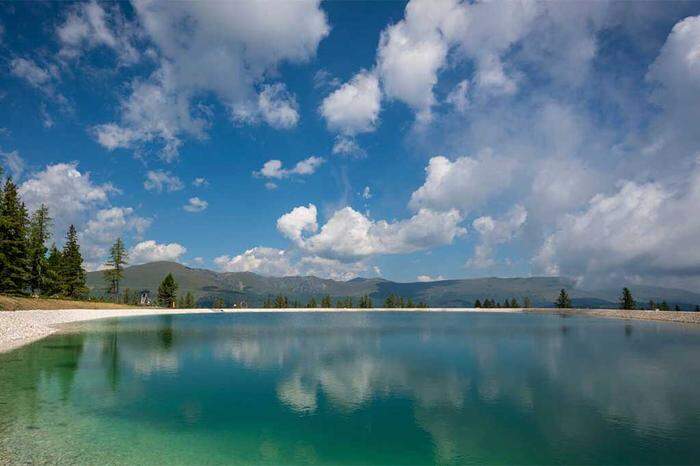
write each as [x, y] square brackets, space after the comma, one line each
[527, 303]
[626, 300]
[219, 302]
[72, 271]
[189, 300]
[53, 283]
[311, 303]
[14, 253]
[167, 292]
[118, 258]
[326, 302]
[563, 301]
[39, 233]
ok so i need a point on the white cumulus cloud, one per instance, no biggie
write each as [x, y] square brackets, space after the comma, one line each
[222, 49]
[150, 251]
[464, 184]
[274, 169]
[158, 180]
[349, 235]
[354, 107]
[195, 204]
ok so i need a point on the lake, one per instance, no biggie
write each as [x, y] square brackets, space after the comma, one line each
[354, 388]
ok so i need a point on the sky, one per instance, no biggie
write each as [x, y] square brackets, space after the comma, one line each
[411, 141]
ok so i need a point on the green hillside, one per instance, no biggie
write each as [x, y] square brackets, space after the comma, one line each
[253, 289]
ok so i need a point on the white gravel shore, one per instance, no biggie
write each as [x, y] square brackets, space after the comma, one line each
[18, 328]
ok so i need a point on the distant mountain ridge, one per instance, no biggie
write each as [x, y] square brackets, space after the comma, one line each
[236, 287]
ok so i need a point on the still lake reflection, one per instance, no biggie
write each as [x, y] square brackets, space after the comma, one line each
[360, 388]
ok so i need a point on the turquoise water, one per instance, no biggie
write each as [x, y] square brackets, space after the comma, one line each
[390, 388]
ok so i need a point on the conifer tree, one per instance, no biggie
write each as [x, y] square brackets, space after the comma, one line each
[326, 302]
[39, 233]
[311, 303]
[53, 284]
[189, 300]
[664, 306]
[527, 303]
[477, 303]
[126, 298]
[218, 302]
[563, 301]
[167, 292]
[626, 300]
[390, 301]
[118, 258]
[281, 302]
[514, 303]
[72, 271]
[14, 253]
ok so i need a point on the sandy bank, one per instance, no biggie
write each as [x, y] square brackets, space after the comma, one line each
[19, 328]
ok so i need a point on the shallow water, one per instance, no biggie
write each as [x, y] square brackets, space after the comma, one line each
[398, 388]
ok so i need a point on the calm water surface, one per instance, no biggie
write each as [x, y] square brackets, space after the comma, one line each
[317, 388]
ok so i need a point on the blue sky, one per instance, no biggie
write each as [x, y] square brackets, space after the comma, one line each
[403, 140]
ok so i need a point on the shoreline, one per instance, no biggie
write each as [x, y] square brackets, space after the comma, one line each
[19, 328]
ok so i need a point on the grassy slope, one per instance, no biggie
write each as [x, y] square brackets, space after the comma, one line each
[11, 303]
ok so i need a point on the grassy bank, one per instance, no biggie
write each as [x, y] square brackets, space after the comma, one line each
[13, 303]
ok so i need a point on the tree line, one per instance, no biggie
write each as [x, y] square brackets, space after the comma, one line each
[27, 265]
[625, 302]
[513, 303]
[326, 302]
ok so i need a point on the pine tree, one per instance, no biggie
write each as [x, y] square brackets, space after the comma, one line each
[527, 304]
[563, 301]
[39, 233]
[281, 302]
[189, 300]
[514, 303]
[312, 303]
[664, 306]
[409, 303]
[14, 253]
[626, 300]
[167, 292]
[391, 301]
[365, 302]
[72, 271]
[219, 302]
[126, 298]
[326, 302]
[118, 258]
[53, 284]
[477, 303]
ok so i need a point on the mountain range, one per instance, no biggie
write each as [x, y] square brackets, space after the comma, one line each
[253, 289]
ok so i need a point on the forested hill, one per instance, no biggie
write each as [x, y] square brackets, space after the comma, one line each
[235, 287]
